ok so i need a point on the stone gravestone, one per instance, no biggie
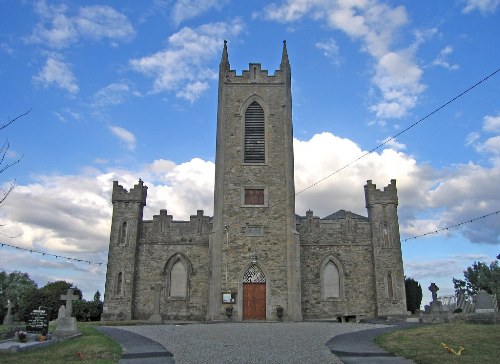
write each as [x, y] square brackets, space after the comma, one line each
[435, 305]
[484, 303]
[38, 322]
[66, 326]
[8, 320]
[156, 317]
[61, 313]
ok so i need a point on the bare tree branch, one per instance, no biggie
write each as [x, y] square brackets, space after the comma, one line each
[3, 126]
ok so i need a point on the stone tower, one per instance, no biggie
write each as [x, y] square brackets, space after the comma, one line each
[390, 295]
[120, 287]
[254, 248]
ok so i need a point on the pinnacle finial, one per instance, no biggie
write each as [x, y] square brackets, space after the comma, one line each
[284, 56]
[224, 63]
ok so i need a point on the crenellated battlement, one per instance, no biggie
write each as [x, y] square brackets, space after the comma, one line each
[375, 196]
[137, 194]
[163, 226]
[254, 74]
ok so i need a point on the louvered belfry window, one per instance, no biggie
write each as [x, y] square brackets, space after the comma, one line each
[255, 146]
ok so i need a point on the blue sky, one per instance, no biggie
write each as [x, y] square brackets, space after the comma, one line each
[122, 90]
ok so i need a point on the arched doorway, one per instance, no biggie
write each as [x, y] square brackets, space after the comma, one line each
[254, 294]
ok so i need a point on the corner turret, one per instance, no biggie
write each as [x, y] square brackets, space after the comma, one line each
[138, 193]
[382, 209]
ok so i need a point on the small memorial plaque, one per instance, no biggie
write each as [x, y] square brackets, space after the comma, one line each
[254, 196]
[254, 230]
[38, 322]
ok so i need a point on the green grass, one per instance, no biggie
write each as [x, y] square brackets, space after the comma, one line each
[423, 344]
[93, 346]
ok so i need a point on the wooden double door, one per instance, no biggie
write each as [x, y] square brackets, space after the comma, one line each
[254, 301]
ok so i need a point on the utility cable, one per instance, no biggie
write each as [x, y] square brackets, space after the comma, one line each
[50, 254]
[393, 137]
[452, 226]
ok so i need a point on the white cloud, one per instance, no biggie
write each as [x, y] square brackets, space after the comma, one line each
[113, 94]
[330, 50]
[491, 123]
[187, 9]
[398, 78]
[124, 135]
[441, 59]
[57, 72]
[484, 6]
[397, 75]
[184, 66]
[70, 215]
[392, 143]
[59, 30]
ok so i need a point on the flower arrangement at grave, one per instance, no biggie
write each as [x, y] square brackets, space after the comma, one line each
[21, 336]
[451, 351]
[279, 311]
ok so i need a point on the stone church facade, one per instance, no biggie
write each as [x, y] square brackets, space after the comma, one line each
[255, 259]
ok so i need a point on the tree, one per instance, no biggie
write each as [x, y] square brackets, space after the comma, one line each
[413, 294]
[49, 296]
[477, 277]
[18, 288]
[88, 310]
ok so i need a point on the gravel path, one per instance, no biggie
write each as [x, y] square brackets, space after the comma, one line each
[294, 342]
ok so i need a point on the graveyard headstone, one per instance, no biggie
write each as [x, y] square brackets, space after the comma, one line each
[38, 322]
[484, 303]
[8, 320]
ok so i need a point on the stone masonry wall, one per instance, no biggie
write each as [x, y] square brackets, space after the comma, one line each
[349, 241]
[162, 239]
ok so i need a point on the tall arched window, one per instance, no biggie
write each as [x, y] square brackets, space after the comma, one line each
[332, 277]
[254, 141]
[178, 271]
[386, 235]
[123, 234]
[390, 286]
[178, 280]
[119, 284]
[331, 280]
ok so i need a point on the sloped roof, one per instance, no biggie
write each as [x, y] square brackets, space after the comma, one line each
[343, 214]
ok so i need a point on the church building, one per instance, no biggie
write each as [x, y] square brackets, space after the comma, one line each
[255, 259]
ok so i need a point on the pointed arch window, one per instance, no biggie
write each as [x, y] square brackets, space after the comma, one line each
[178, 271]
[254, 141]
[331, 281]
[332, 277]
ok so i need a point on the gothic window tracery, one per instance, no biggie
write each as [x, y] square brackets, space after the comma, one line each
[254, 275]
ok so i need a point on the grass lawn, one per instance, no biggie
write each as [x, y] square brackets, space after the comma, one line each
[93, 346]
[423, 344]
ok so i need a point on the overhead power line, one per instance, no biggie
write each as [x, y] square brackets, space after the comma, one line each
[393, 137]
[451, 226]
[50, 254]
